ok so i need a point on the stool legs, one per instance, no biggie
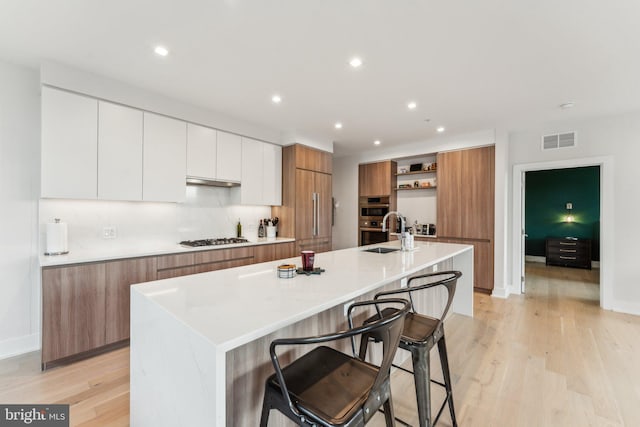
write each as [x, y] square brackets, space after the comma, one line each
[444, 361]
[421, 376]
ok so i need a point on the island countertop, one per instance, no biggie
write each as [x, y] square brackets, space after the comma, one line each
[206, 301]
[201, 341]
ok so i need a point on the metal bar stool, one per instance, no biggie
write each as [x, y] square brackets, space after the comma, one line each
[420, 334]
[326, 387]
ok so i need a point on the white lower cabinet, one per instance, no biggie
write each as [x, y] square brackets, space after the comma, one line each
[165, 159]
[69, 162]
[119, 152]
[261, 173]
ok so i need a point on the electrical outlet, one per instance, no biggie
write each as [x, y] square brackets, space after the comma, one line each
[109, 232]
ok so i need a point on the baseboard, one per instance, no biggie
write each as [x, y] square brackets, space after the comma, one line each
[626, 307]
[20, 345]
[500, 292]
[534, 258]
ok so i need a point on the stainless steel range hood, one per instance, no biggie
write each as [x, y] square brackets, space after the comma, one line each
[192, 180]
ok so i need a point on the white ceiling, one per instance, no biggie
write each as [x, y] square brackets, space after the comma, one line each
[469, 64]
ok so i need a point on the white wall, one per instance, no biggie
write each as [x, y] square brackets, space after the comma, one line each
[618, 137]
[19, 190]
[345, 177]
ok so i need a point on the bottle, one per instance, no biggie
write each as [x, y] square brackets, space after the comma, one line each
[261, 229]
[239, 229]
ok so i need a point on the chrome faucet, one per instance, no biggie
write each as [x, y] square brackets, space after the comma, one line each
[403, 233]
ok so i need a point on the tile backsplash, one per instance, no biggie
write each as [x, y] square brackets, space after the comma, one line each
[207, 212]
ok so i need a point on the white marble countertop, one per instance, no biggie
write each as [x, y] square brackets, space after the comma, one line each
[235, 306]
[128, 250]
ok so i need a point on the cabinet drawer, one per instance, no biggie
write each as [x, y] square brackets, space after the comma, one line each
[174, 261]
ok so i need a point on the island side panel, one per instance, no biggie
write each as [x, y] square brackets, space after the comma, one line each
[249, 366]
[463, 300]
[175, 372]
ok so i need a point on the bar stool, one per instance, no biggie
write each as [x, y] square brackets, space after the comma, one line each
[420, 334]
[326, 387]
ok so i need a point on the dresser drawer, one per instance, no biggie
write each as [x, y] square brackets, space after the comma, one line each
[569, 252]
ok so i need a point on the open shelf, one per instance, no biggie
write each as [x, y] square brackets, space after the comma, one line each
[417, 172]
[415, 188]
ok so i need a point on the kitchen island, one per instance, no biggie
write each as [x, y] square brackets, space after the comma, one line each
[200, 343]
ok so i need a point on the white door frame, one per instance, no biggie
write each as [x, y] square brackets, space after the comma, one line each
[607, 274]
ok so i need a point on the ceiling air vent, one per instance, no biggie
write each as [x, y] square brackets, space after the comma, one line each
[559, 140]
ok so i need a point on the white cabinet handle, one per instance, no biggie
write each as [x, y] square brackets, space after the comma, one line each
[318, 214]
[315, 213]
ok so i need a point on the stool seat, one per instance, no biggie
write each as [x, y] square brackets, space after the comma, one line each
[326, 384]
[418, 328]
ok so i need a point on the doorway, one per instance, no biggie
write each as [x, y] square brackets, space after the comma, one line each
[606, 276]
[561, 217]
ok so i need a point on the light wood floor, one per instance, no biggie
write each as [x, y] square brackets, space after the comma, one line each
[550, 358]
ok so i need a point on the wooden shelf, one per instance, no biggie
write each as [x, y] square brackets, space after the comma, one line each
[415, 188]
[417, 172]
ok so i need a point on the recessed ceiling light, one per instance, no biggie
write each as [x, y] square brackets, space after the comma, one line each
[355, 62]
[376, 142]
[276, 99]
[412, 105]
[567, 105]
[161, 50]
[440, 129]
[338, 125]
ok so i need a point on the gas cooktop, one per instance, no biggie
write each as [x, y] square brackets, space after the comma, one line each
[213, 242]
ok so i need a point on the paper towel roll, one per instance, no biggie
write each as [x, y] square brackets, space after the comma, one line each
[57, 238]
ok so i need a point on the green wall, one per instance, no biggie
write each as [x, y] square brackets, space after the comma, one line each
[546, 194]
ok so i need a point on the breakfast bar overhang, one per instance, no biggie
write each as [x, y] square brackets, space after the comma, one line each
[200, 343]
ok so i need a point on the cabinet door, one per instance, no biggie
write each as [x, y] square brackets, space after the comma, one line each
[449, 194]
[374, 179]
[305, 207]
[317, 245]
[73, 310]
[264, 253]
[251, 190]
[284, 250]
[165, 159]
[272, 175]
[313, 159]
[119, 152]
[201, 151]
[229, 158]
[69, 151]
[323, 191]
[477, 193]
[120, 275]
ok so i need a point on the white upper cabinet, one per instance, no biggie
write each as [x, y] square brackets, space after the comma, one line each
[252, 172]
[229, 158]
[261, 173]
[119, 152]
[272, 175]
[201, 151]
[165, 159]
[69, 151]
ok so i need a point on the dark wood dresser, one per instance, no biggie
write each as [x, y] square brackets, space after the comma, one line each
[569, 252]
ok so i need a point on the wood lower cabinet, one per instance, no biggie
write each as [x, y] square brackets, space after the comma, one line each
[119, 277]
[482, 262]
[73, 310]
[266, 253]
[316, 245]
[87, 306]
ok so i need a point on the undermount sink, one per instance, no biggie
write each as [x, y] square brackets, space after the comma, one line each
[381, 250]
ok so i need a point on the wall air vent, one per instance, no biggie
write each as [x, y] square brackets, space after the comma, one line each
[559, 140]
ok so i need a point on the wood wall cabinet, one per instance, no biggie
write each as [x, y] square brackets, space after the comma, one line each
[73, 310]
[119, 276]
[466, 203]
[307, 206]
[377, 179]
[69, 148]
